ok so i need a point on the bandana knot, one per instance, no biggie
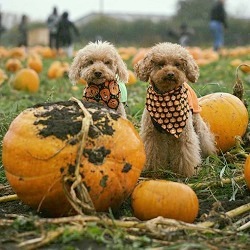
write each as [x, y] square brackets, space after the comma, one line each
[107, 93]
[169, 111]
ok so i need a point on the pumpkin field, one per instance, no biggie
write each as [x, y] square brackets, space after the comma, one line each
[150, 209]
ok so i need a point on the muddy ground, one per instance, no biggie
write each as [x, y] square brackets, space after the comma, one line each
[10, 236]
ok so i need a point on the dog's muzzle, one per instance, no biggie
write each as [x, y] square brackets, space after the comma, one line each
[169, 111]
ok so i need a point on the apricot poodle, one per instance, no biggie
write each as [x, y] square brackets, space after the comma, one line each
[100, 65]
[174, 134]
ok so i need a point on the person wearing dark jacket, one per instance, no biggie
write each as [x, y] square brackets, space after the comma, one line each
[65, 32]
[52, 22]
[23, 32]
[217, 24]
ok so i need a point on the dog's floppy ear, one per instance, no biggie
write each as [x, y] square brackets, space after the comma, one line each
[122, 70]
[191, 69]
[74, 69]
[143, 68]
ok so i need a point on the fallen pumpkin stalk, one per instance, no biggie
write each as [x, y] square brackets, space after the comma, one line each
[157, 227]
[83, 204]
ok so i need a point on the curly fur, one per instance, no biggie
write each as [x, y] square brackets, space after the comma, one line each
[98, 62]
[168, 66]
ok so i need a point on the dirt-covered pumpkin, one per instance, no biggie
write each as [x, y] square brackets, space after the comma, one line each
[41, 151]
[227, 117]
[168, 199]
[247, 171]
[26, 79]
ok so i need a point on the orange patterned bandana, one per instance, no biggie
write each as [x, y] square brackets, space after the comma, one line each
[169, 111]
[107, 93]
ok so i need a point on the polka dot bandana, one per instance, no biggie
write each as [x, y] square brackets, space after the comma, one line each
[169, 112]
[107, 93]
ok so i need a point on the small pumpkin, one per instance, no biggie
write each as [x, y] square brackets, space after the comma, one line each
[26, 79]
[82, 81]
[47, 52]
[34, 62]
[227, 117]
[236, 62]
[4, 53]
[58, 69]
[17, 52]
[168, 199]
[139, 55]
[40, 149]
[245, 67]
[3, 77]
[13, 64]
[131, 78]
[247, 171]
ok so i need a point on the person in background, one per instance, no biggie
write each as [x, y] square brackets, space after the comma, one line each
[185, 34]
[52, 23]
[65, 32]
[23, 32]
[218, 21]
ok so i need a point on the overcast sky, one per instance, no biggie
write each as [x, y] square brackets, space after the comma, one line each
[40, 9]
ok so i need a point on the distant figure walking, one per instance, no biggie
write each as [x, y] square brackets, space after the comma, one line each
[23, 32]
[185, 33]
[52, 23]
[65, 32]
[217, 24]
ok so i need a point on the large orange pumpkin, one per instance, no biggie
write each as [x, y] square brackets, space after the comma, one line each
[26, 79]
[227, 117]
[247, 171]
[169, 199]
[41, 148]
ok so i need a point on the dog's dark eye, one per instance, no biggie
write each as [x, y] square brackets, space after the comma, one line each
[90, 62]
[177, 64]
[107, 62]
[161, 64]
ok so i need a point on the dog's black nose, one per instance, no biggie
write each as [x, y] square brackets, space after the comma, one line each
[98, 74]
[170, 75]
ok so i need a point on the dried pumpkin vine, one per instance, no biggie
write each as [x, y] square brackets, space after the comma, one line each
[77, 194]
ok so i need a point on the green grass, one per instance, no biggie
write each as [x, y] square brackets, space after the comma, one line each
[216, 77]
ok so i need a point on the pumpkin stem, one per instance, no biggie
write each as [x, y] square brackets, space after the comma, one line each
[238, 88]
[83, 204]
